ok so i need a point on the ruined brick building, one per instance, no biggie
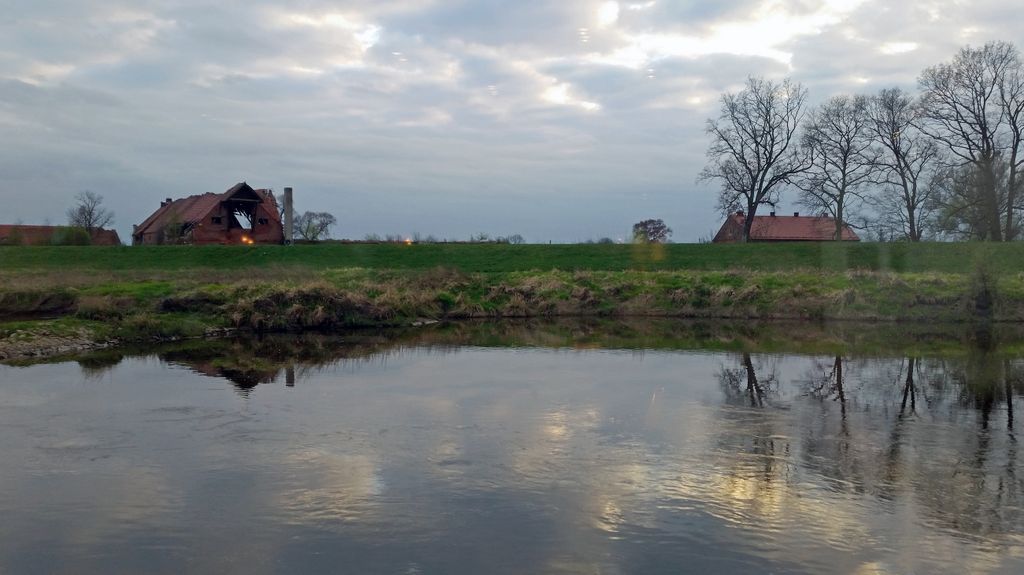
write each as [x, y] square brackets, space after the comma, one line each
[241, 215]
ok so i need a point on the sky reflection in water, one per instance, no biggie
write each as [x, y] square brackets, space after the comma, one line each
[456, 458]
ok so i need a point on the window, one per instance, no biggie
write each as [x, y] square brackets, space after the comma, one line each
[262, 221]
[217, 219]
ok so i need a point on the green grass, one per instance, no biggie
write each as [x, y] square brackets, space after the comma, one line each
[59, 327]
[141, 293]
[901, 257]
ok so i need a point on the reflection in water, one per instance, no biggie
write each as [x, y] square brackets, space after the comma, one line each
[742, 384]
[520, 447]
[909, 389]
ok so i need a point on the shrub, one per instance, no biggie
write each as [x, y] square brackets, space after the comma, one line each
[71, 237]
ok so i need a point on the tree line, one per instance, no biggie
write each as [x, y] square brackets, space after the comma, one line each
[942, 163]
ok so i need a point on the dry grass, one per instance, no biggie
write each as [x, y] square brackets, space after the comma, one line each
[296, 299]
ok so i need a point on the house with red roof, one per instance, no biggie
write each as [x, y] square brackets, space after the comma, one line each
[773, 228]
[22, 235]
[241, 215]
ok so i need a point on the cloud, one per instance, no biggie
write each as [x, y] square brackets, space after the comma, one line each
[557, 120]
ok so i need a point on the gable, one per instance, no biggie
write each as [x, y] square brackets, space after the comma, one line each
[242, 192]
[731, 231]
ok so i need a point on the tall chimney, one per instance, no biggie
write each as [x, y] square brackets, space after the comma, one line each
[288, 216]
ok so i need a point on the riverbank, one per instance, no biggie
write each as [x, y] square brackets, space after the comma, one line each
[242, 352]
[45, 312]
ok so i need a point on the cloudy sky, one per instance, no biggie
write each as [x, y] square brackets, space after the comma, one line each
[559, 120]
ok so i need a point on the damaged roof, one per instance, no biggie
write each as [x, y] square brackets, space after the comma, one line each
[192, 209]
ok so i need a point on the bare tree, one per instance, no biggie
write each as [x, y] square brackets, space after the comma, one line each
[841, 155]
[754, 150]
[962, 208]
[89, 212]
[651, 232]
[1011, 95]
[906, 159]
[314, 226]
[964, 107]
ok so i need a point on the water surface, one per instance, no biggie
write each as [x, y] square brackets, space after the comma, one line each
[524, 449]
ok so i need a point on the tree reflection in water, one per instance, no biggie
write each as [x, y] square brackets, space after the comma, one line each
[967, 483]
[800, 440]
[743, 385]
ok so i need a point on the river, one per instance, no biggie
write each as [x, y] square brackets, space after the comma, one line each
[651, 447]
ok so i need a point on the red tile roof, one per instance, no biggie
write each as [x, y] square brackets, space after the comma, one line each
[42, 235]
[786, 228]
[183, 211]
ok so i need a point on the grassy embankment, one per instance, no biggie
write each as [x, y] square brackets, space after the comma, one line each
[59, 297]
